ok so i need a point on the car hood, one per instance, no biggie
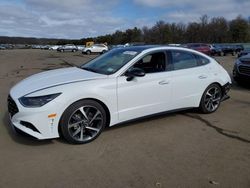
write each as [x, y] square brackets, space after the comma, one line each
[52, 78]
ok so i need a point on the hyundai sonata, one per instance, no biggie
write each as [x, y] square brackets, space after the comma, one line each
[121, 85]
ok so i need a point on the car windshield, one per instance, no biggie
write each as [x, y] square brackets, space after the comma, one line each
[111, 61]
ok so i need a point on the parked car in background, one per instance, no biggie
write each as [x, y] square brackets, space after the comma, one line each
[36, 47]
[68, 48]
[244, 52]
[241, 70]
[238, 48]
[7, 46]
[204, 48]
[80, 47]
[216, 50]
[223, 50]
[45, 47]
[96, 48]
[2, 47]
[54, 47]
[118, 86]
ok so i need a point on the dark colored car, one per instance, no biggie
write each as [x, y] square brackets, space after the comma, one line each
[68, 47]
[244, 52]
[238, 48]
[216, 50]
[204, 48]
[223, 50]
[241, 71]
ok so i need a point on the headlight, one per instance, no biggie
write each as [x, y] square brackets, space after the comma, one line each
[37, 101]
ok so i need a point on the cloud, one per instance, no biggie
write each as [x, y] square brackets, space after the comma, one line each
[64, 18]
[89, 18]
[190, 10]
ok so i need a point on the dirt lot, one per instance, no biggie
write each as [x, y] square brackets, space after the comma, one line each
[185, 149]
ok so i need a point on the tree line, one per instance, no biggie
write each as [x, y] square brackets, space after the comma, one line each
[214, 30]
[206, 30]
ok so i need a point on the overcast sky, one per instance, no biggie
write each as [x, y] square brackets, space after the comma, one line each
[75, 19]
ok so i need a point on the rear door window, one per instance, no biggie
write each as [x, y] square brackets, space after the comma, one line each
[183, 60]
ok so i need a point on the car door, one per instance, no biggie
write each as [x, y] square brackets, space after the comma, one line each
[145, 95]
[95, 48]
[190, 79]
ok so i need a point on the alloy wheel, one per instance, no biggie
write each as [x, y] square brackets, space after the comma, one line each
[85, 123]
[212, 98]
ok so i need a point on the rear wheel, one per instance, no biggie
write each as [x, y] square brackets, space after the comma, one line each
[211, 99]
[83, 121]
[104, 51]
[88, 52]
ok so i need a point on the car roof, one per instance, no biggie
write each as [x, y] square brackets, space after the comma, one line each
[141, 48]
[152, 47]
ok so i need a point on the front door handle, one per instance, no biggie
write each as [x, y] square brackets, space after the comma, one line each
[163, 82]
[202, 77]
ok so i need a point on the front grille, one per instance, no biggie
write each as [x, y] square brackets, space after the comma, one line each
[244, 69]
[12, 107]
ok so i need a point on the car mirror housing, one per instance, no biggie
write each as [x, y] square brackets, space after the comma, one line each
[134, 72]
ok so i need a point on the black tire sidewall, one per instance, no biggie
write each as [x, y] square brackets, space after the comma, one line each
[68, 112]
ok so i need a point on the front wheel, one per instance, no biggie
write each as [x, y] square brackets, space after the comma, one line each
[211, 99]
[83, 121]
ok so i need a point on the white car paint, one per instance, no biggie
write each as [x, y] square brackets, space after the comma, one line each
[153, 93]
[54, 47]
[96, 48]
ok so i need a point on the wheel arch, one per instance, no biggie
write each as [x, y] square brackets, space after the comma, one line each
[217, 83]
[93, 99]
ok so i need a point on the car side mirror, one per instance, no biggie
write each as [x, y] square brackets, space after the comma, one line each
[134, 72]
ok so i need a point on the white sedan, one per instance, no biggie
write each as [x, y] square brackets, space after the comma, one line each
[121, 85]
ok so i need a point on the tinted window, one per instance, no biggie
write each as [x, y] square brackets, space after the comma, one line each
[183, 60]
[202, 60]
[154, 62]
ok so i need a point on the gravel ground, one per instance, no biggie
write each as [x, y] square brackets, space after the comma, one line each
[184, 149]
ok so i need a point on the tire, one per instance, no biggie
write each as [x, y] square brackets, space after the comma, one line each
[222, 53]
[74, 50]
[211, 99]
[83, 121]
[88, 52]
[62, 50]
[233, 53]
[104, 51]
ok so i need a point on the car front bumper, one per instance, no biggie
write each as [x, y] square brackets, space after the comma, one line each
[225, 89]
[33, 121]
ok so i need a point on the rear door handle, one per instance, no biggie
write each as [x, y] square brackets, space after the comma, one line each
[163, 82]
[202, 77]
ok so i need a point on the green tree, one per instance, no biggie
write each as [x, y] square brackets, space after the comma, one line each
[239, 29]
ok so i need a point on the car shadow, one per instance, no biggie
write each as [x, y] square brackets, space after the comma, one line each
[23, 138]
